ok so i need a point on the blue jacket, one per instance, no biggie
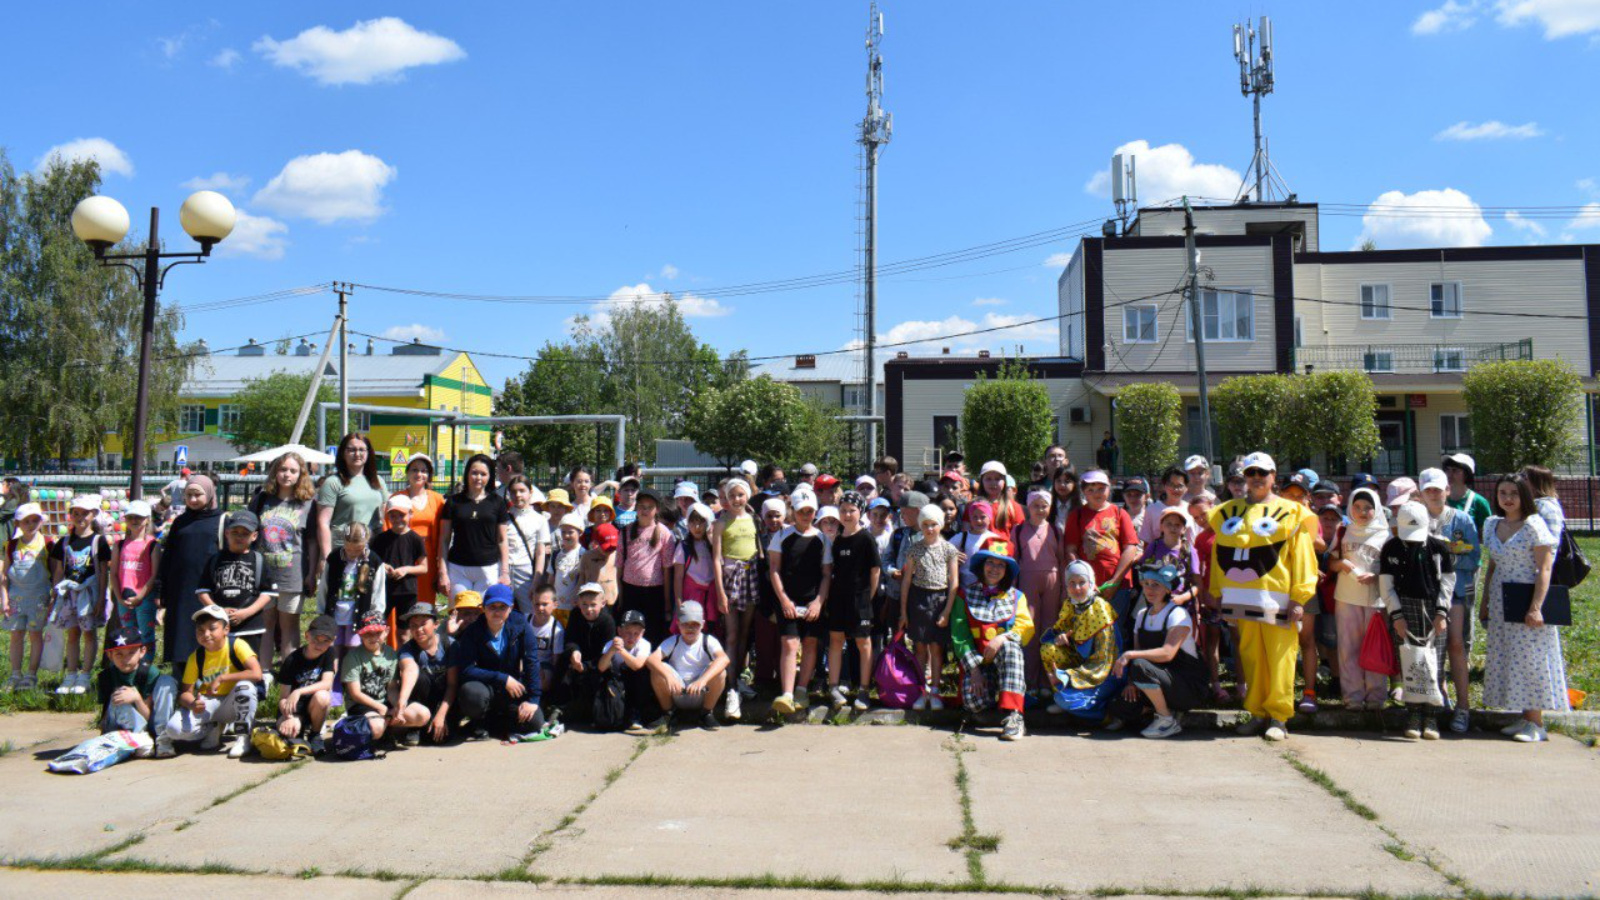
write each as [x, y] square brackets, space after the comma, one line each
[1457, 525]
[519, 657]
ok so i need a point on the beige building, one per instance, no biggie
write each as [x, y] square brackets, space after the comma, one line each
[1273, 301]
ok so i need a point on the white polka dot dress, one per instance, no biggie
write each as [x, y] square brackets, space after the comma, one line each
[1524, 669]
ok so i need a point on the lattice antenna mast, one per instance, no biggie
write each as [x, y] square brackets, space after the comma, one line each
[875, 132]
[1253, 50]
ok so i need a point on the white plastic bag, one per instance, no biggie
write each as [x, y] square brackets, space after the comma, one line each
[102, 752]
[55, 648]
[1419, 672]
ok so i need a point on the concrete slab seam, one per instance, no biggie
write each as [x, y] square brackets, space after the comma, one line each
[970, 842]
[544, 840]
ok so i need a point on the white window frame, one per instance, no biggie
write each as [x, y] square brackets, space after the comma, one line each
[1456, 421]
[1141, 311]
[1373, 356]
[853, 396]
[228, 416]
[1236, 296]
[1438, 360]
[1380, 312]
[361, 420]
[185, 411]
[1460, 302]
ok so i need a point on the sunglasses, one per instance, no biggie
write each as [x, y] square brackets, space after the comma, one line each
[1257, 473]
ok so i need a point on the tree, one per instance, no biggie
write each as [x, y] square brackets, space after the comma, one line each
[767, 420]
[1524, 412]
[1253, 412]
[1150, 419]
[1008, 418]
[268, 408]
[566, 379]
[1344, 408]
[69, 328]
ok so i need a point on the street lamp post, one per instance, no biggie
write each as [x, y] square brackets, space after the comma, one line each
[102, 222]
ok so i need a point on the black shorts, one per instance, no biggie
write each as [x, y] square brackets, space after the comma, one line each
[851, 615]
[798, 627]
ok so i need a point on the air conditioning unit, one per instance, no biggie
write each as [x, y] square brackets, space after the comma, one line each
[1078, 415]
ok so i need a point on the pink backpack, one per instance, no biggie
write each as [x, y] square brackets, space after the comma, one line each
[897, 674]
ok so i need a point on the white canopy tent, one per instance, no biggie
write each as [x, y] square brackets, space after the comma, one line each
[272, 453]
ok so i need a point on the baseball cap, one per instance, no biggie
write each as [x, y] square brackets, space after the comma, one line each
[808, 469]
[1095, 476]
[1167, 574]
[629, 481]
[324, 625]
[867, 480]
[632, 617]
[123, 636]
[498, 594]
[372, 623]
[828, 512]
[826, 481]
[243, 518]
[89, 502]
[1196, 462]
[400, 501]
[138, 508]
[1433, 478]
[1181, 512]
[420, 609]
[1311, 476]
[803, 500]
[993, 465]
[420, 456]
[1363, 480]
[572, 520]
[691, 611]
[1400, 490]
[1257, 460]
[1411, 524]
[1325, 487]
[913, 500]
[1299, 480]
[209, 612]
[1136, 483]
[952, 475]
[590, 587]
[28, 511]
[879, 503]
[686, 489]
[748, 467]
[1462, 460]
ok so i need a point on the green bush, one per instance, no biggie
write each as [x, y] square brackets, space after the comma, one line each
[1149, 425]
[1332, 413]
[1524, 412]
[1253, 413]
[1008, 418]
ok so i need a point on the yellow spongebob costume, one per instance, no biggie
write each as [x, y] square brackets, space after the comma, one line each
[1262, 562]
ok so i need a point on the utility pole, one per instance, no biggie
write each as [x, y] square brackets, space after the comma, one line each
[875, 132]
[1197, 324]
[344, 290]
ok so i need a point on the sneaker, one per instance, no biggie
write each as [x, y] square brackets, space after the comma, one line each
[801, 698]
[413, 737]
[1162, 727]
[636, 727]
[14, 683]
[1307, 704]
[708, 721]
[1112, 723]
[747, 690]
[1276, 731]
[1530, 733]
[29, 682]
[1413, 726]
[1054, 709]
[1219, 694]
[1430, 728]
[81, 684]
[1513, 728]
[837, 698]
[1014, 729]
[212, 739]
[67, 682]
[661, 725]
[478, 733]
[239, 746]
[861, 703]
[921, 704]
[936, 702]
[1461, 720]
[1251, 727]
[733, 709]
[164, 749]
[784, 705]
[316, 744]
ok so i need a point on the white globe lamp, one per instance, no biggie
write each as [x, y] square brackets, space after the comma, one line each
[100, 222]
[208, 217]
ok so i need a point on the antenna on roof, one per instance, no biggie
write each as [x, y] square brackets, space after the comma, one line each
[1253, 50]
[1124, 186]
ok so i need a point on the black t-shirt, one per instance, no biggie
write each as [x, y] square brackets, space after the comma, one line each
[592, 638]
[298, 670]
[800, 568]
[233, 583]
[76, 557]
[854, 558]
[475, 528]
[397, 550]
[433, 666]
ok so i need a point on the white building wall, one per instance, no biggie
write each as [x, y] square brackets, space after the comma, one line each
[924, 398]
[1069, 296]
[1158, 273]
[1227, 220]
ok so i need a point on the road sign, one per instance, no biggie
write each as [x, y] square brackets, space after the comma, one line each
[397, 458]
[331, 450]
[180, 456]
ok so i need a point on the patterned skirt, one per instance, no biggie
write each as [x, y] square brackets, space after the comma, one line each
[741, 581]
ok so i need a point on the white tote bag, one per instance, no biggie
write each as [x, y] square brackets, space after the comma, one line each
[1419, 671]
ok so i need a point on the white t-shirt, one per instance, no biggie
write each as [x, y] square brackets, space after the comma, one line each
[690, 661]
[568, 575]
[1175, 616]
[641, 650]
[535, 527]
[551, 637]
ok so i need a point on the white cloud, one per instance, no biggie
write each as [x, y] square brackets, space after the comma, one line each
[1588, 217]
[669, 271]
[415, 331]
[108, 155]
[1589, 186]
[1168, 172]
[1444, 218]
[989, 301]
[218, 181]
[329, 187]
[369, 51]
[172, 46]
[954, 332]
[692, 306]
[1559, 18]
[1058, 260]
[1491, 130]
[1452, 16]
[1522, 223]
[226, 58]
[256, 236]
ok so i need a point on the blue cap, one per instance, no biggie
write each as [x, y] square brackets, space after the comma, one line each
[1362, 480]
[498, 593]
[1167, 575]
[878, 503]
[1310, 475]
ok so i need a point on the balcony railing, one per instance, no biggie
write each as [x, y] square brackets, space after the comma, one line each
[1408, 359]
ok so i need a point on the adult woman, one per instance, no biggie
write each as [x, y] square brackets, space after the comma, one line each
[288, 515]
[641, 567]
[426, 507]
[1523, 670]
[527, 542]
[994, 486]
[1063, 496]
[580, 481]
[473, 548]
[192, 539]
[1040, 557]
[353, 495]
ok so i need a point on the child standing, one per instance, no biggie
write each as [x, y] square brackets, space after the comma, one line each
[976, 536]
[850, 599]
[1208, 611]
[1354, 563]
[1039, 555]
[237, 580]
[354, 585]
[218, 687]
[78, 566]
[600, 541]
[736, 556]
[991, 625]
[928, 590]
[133, 571]
[526, 544]
[551, 637]
[566, 565]
[693, 570]
[25, 592]
[404, 557]
[1417, 580]
[800, 565]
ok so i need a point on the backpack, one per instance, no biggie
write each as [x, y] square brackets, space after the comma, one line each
[274, 746]
[610, 704]
[352, 739]
[897, 675]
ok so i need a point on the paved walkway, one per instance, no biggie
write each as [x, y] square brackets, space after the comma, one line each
[754, 812]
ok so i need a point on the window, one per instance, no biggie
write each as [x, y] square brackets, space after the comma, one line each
[1455, 432]
[855, 396]
[191, 418]
[1299, 332]
[1375, 301]
[228, 418]
[1449, 359]
[946, 432]
[1226, 316]
[360, 420]
[1444, 300]
[1139, 324]
[1378, 361]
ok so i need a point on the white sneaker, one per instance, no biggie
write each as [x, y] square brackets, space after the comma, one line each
[1276, 731]
[81, 684]
[1162, 727]
[67, 681]
[935, 702]
[837, 698]
[1513, 728]
[239, 746]
[732, 710]
[861, 704]
[922, 703]
[1054, 709]
[1530, 733]
[1461, 720]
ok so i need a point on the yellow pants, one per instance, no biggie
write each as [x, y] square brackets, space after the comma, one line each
[1268, 654]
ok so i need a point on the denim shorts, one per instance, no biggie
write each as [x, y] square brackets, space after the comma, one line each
[30, 615]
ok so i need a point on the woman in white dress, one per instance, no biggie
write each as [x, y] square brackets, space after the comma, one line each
[1524, 669]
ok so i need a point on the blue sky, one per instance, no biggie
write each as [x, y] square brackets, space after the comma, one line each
[583, 149]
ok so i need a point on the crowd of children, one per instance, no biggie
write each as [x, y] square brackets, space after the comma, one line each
[622, 611]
